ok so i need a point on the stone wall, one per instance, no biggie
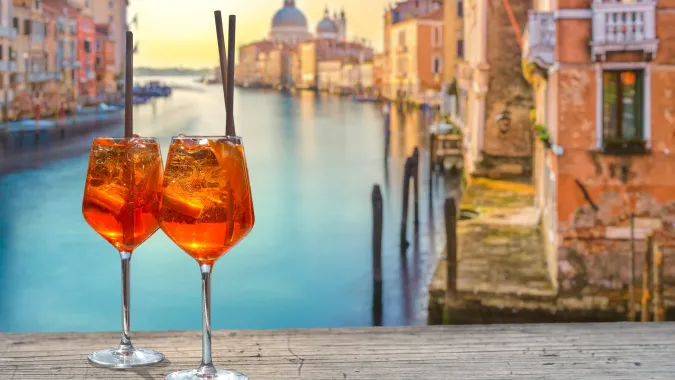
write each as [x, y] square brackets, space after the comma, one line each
[508, 90]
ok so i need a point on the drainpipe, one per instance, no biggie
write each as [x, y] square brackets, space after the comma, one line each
[514, 23]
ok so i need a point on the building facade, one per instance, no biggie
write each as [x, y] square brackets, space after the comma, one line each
[453, 19]
[8, 64]
[113, 14]
[402, 11]
[603, 73]
[106, 70]
[416, 57]
[86, 53]
[494, 100]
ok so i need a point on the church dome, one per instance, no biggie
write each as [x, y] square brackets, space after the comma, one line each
[289, 16]
[326, 26]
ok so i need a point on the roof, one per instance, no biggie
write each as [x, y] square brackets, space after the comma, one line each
[60, 8]
[326, 26]
[433, 15]
[289, 16]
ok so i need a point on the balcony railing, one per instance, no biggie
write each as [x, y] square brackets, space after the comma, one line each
[624, 26]
[539, 39]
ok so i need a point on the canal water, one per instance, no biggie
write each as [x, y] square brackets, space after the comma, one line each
[313, 160]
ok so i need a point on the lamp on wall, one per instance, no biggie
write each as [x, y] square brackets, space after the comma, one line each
[504, 121]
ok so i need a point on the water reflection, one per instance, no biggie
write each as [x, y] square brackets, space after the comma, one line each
[313, 159]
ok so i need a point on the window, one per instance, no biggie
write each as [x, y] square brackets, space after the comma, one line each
[87, 46]
[86, 3]
[98, 61]
[111, 4]
[460, 48]
[437, 36]
[2, 51]
[27, 27]
[37, 4]
[110, 19]
[12, 54]
[460, 8]
[622, 109]
[436, 64]
[15, 22]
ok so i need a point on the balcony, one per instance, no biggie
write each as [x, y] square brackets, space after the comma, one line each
[7, 32]
[619, 26]
[539, 39]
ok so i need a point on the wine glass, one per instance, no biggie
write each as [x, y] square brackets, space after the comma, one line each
[206, 210]
[121, 202]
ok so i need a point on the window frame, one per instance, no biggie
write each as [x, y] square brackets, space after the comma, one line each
[646, 101]
[437, 36]
[439, 58]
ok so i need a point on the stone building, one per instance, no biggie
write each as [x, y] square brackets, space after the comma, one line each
[416, 56]
[402, 11]
[603, 73]
[494, 99]
[453, 35]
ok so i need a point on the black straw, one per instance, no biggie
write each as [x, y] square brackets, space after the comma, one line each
[128, 87]
[230, 75]
[221, 53]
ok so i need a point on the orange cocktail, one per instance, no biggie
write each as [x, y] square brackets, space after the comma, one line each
[123, 190]
[206, 204]
[121, 202]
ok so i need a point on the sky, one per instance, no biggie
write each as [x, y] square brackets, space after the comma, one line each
[181, 33]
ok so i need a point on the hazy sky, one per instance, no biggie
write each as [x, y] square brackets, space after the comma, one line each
[173, 33]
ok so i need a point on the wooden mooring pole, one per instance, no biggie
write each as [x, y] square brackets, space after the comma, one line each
[451, 258]
[659, 312]
[407, 173]
[376, 198]
[432, 163]
[646, 281]
[631, 285]
[416, 177]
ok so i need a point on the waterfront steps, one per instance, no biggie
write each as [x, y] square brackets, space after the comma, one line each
[616, 351]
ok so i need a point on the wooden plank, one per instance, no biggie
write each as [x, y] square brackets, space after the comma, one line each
[617, 351]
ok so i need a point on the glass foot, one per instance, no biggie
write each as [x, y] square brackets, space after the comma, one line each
[116, 358]
[191, 374]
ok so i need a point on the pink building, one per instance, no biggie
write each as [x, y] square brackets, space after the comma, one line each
[86, 53]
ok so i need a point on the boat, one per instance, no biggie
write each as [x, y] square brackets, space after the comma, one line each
[152, 89]
[365, 98]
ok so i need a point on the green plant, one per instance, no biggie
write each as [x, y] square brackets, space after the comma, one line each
[452, 88]
[541, 132]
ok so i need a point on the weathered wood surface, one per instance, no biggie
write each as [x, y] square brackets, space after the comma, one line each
[616, 351]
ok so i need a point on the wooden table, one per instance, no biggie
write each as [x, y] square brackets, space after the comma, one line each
[614, 351]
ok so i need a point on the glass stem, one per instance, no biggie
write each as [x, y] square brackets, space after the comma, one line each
[125, 342]
[206, 368]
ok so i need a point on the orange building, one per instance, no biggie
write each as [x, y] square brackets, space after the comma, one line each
[403, 10]
[63, 23]
[416, 56]
[86, 43]
[105, 62]
[603, 73]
